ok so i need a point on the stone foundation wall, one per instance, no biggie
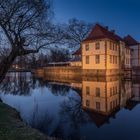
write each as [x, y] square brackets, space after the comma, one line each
[86, 72]
[39, 72]
[63, 70]
[74, 72]
[113, 72]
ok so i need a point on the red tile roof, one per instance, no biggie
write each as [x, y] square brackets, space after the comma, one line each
[130, 41]
[100, 32]
[78, 52]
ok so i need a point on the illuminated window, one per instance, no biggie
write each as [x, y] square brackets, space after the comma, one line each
[87, 47]
[111, 105]
[127, 51]
[113, 59]
[128, 61]
[116, 60]
[97, 92]
[87, 90]
[97, 46]
[87, 59]
[87, 103]
[110, 45]
[105, 43]
[98, 105]
[97, 59]
[116, 90]
[116, 47]
[113, 46]
[110, 58]
[111, 92]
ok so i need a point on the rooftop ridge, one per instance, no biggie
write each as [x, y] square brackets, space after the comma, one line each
[100, 32]
[130, 41]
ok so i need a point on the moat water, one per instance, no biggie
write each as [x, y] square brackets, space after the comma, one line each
[88, 109]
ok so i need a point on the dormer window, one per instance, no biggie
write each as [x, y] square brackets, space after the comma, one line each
[97, 46]
[87, 47]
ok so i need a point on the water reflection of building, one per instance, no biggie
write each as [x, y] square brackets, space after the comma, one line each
[125, 93]
[136, 90]
[103, 99]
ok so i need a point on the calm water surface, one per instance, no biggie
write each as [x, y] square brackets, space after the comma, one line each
[90, 109]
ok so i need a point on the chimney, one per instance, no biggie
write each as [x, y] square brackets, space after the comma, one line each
[106, 27]
[113, 31]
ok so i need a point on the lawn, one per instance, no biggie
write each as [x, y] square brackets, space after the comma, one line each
[12, 127]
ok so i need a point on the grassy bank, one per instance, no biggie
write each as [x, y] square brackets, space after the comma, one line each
[12, 128]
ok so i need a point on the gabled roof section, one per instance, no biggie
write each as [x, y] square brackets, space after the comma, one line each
[99, 118]
[78, 52]
[100, 32]
[130, 41]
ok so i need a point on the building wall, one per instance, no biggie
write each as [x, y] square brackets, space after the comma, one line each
[113, 55]
[108, 50]
[106, 101]
[76, 64]
[135, 55]
[127, 57]
[126, 92]
[91, 53]
[113, 95]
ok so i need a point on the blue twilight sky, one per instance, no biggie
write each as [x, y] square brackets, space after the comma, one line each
[121, 15]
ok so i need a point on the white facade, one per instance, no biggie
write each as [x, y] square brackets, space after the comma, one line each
[105, 54]
[135, 55]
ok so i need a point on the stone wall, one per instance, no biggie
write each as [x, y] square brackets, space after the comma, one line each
[73, 72]
[63, 70]
[39, 72]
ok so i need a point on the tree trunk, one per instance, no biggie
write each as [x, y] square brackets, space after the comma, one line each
[6, 63]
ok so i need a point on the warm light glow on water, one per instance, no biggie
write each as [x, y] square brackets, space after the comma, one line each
[100, 108]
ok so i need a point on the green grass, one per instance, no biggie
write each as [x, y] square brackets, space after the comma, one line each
[12, 128]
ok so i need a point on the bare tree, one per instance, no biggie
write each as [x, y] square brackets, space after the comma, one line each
[59, 55]
[25, 27]
[76, 32]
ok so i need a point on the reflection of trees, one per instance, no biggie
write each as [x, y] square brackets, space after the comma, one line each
[58, 89]
[41, 121]
[23, 83]
[72, 117]
[18, 84]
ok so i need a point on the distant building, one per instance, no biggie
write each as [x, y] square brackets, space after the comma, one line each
[101, 96]
[105, 51]
[135, 50]
[102, 99]
[77, 61]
